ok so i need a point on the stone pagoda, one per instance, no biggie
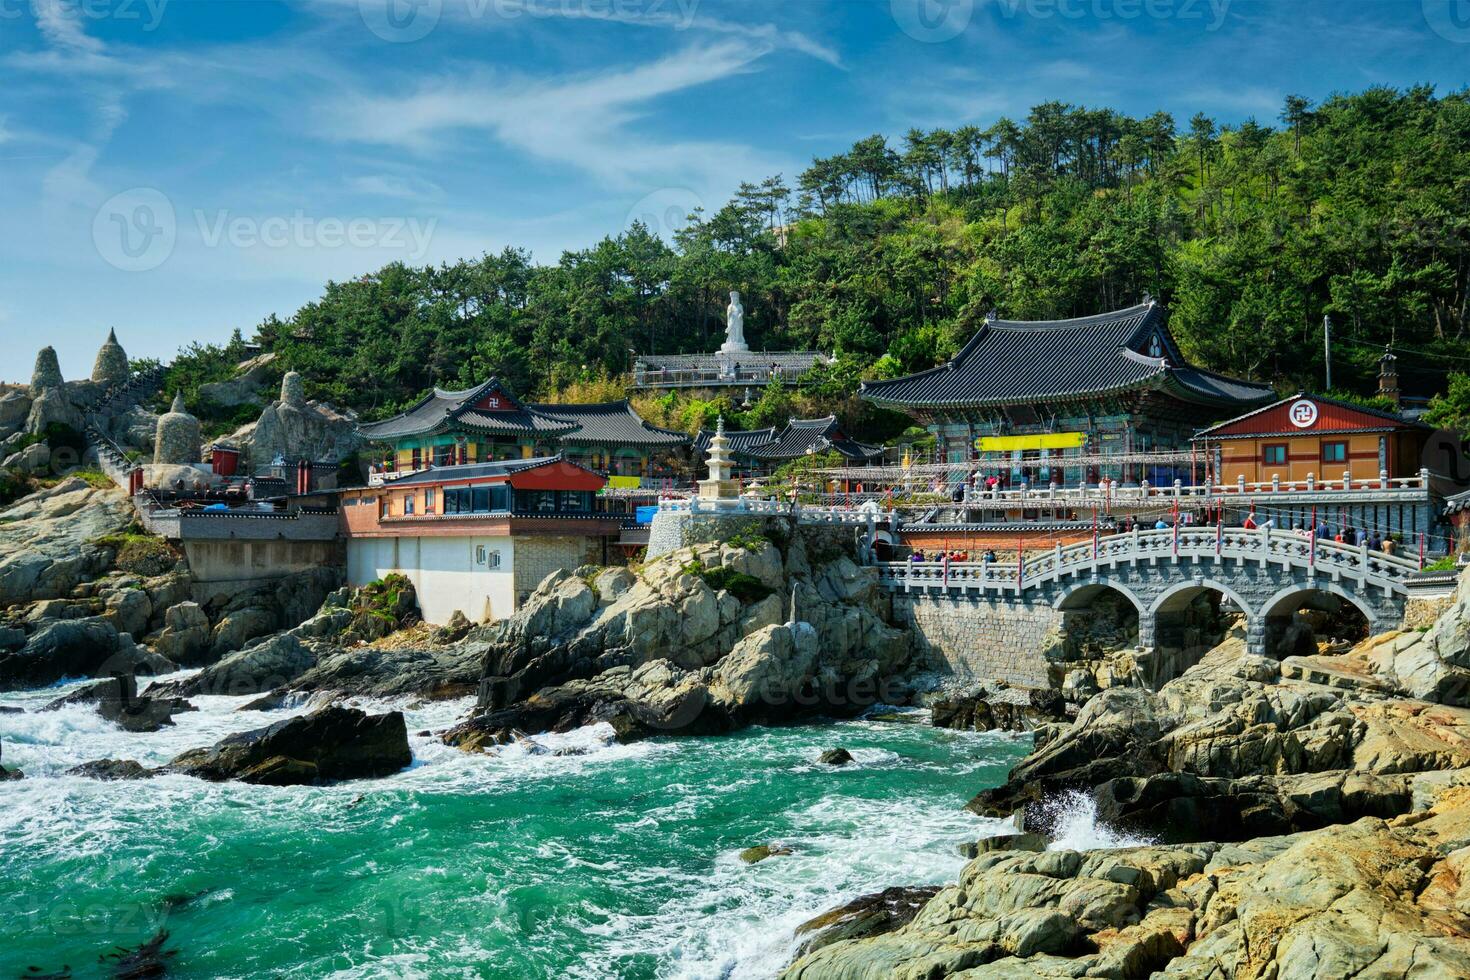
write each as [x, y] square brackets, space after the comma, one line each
[719, 486]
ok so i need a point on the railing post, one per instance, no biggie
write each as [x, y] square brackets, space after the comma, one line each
[1275, 482]
[1383, 479]
[1240, 483]
[1265, 544]
[1057, 571]
[1311, 482]
[1347, 479]
[1178, 487]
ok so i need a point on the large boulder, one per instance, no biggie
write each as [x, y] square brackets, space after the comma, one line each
[265, 665]
[53, 407]
[60, 649]
[329, 745]
[50, 540]
[766, 671]
[247, 387]
[185, 637]
[15, 408]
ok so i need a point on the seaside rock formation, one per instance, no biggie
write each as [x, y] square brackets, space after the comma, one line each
[49, 541]
[75, 648]
[695, 641]
[177, 438]
[1313, 817]
[329, 745]
[323, 653]
[865, 917]
[111, 365]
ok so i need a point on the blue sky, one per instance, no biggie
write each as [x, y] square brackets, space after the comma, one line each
[177, 168]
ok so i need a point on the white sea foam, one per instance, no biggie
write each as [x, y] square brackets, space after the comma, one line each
[1077, 828]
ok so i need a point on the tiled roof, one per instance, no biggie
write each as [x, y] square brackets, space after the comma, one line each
[798, 438]
[1011, 362]
[473, 471]
[1391, 420]
[610, 422]
[426, 416]
[613, 422]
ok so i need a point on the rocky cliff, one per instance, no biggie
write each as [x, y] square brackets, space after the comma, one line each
[703, 639]
[1311, 818]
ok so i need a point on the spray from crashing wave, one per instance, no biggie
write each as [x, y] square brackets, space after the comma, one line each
[1076, 827]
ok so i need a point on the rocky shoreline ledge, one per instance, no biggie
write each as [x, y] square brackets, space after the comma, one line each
[1311, 819]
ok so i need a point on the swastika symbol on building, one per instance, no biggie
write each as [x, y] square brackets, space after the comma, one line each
[1303, 413]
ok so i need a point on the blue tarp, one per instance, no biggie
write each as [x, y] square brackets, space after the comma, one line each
[644, 515]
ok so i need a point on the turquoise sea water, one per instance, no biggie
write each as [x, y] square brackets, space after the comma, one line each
[618, 862]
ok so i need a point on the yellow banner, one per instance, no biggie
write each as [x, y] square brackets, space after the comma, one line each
[1044, 440]
[623, 482]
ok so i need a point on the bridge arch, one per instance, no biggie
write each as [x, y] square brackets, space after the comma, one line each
[1277, 614]
[1081, 595]
[1102, 615]
[1182, 593]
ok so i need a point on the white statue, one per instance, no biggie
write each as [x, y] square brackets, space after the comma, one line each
[734, 325]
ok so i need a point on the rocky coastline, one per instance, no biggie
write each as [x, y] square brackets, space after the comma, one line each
[1308, 817]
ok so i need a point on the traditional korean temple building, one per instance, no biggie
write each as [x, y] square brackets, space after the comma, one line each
[1023, 396]
[478, 538]
[758, 452]
[488, 423]
[1308, 436]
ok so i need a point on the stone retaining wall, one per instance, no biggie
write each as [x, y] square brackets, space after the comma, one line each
[982, 639]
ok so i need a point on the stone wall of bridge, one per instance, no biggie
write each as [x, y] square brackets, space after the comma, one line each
[982, 639]
[1023, 639]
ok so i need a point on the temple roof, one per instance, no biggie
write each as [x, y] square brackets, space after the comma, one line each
[1327, 415]
[500, 469]
[611, 422]
[491, 409]
[1013, 362]
[798, 438]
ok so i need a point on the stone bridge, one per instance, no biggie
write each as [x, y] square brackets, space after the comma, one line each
[999, 609]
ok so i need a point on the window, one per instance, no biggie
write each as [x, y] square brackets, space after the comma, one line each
[429, 501]
[481, 499]
[418, 459]
[443, 455]
[408, 503]
[451, 501]
[1273, 455]
[1334, 452]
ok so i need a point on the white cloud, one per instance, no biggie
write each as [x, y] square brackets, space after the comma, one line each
[584, 121]
[61, 26]
[392, 185]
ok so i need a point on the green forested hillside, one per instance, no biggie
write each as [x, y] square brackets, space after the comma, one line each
[890, 254]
